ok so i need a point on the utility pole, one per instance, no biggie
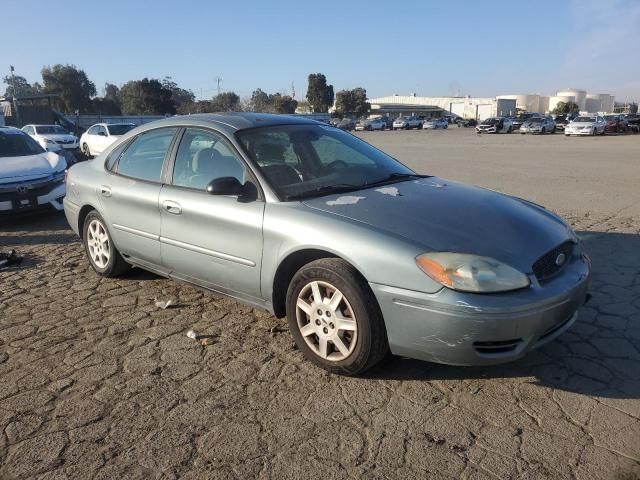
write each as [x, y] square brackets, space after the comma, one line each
[219, 80]
[15, 94]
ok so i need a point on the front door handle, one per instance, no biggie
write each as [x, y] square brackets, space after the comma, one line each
[105, 191]
[172, 207]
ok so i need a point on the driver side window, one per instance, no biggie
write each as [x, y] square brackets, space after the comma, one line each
[202, 157]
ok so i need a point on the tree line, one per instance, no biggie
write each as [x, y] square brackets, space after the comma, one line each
[151, 96]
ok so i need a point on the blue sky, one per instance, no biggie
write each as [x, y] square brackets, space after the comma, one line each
[478, 48]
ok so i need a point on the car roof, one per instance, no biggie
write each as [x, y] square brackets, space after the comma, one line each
[230, 122]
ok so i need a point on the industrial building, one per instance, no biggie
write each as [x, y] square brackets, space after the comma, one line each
[483, 107]
[465, 107]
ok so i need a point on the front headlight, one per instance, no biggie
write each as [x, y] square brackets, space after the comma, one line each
[471, 273]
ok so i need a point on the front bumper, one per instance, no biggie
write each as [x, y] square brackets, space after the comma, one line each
[43, 196]
[486, 130]
[459, 328]
[589, 131]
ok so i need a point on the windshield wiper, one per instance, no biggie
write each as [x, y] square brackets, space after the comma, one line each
[324, 190]
[394, 177]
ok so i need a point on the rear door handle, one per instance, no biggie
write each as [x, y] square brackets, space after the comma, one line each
[105, 191]
[172, 207]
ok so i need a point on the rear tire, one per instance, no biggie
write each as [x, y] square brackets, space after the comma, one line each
[103, 255]
[86, 150]
[357, 340]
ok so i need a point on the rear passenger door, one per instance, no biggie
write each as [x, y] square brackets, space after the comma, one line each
[129, 194]
[211, 239]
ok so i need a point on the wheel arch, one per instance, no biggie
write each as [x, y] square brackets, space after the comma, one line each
[288, 267]
[82, 215]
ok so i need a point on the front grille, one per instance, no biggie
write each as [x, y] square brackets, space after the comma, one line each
[497, 347]
[547, 265]
[33, 191]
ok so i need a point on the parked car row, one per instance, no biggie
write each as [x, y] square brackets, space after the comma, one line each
[399, 123]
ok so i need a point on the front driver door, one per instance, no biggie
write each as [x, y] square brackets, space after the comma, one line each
[208, 239]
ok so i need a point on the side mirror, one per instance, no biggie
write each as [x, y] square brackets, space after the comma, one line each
[225, 186]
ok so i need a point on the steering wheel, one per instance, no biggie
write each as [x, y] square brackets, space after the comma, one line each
[336, 164]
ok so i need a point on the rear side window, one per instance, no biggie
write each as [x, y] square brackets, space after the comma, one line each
[144, 157]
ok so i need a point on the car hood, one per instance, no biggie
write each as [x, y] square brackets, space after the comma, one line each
[63, 137]
[446, 216]
[30, 167]
[581, 124]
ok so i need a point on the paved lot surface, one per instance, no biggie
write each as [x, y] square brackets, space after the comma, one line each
[97, 382]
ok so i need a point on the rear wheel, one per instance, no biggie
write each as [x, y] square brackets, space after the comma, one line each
[86, 150]
[102, 253]
[334, 317]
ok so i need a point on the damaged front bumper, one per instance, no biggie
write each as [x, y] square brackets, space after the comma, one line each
[482, 329]
[24, 198]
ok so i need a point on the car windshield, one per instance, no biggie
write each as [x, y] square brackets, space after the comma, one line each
[18, 145]
[491, 121]
[533, 121]
[311, 160]
[51, 129]
[610, 117]
[119, 129]
[584, 119]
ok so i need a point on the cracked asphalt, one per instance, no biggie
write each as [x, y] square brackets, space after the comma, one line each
[97, 382]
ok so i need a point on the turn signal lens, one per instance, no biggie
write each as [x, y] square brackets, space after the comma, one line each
[471, 273]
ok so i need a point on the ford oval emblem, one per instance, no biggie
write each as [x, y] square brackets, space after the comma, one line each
[560, 259]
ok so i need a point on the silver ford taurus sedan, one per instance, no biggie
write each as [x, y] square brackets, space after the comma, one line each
[361, 254]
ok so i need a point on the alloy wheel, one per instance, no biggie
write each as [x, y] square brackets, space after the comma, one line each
[99, 244]
[326, 321]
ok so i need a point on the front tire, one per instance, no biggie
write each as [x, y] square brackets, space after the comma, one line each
[334, 317]
[102, 253]
[86, 150]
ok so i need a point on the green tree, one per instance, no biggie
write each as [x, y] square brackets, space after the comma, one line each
[146, 97]
[22, 87]
[111, 92]
[260, 101]
[283, 103]
[72, 86]
[562, 108]
[226, 102]
[181, 97]
[319, 94]
[352, 102]
[633, 107]
[109, 104]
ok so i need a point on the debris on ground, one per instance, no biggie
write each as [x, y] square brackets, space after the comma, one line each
[203, 339]
[192, 334]
[277, 329]
[164, 304]
[8, 259]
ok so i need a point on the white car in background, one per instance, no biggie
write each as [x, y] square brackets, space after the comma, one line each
[435, 123]
[495, 125]
[30, 177]
[99, 136]
[51, 137]
[586, 125]
[370, 124]
[540, 125]
[407, 123]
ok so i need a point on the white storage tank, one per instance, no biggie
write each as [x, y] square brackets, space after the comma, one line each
[543, 104]
[554, 101]
[580, 96]
[594, 102]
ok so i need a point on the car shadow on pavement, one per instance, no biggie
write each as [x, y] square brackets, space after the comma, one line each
[598, 356]
[49, 227]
